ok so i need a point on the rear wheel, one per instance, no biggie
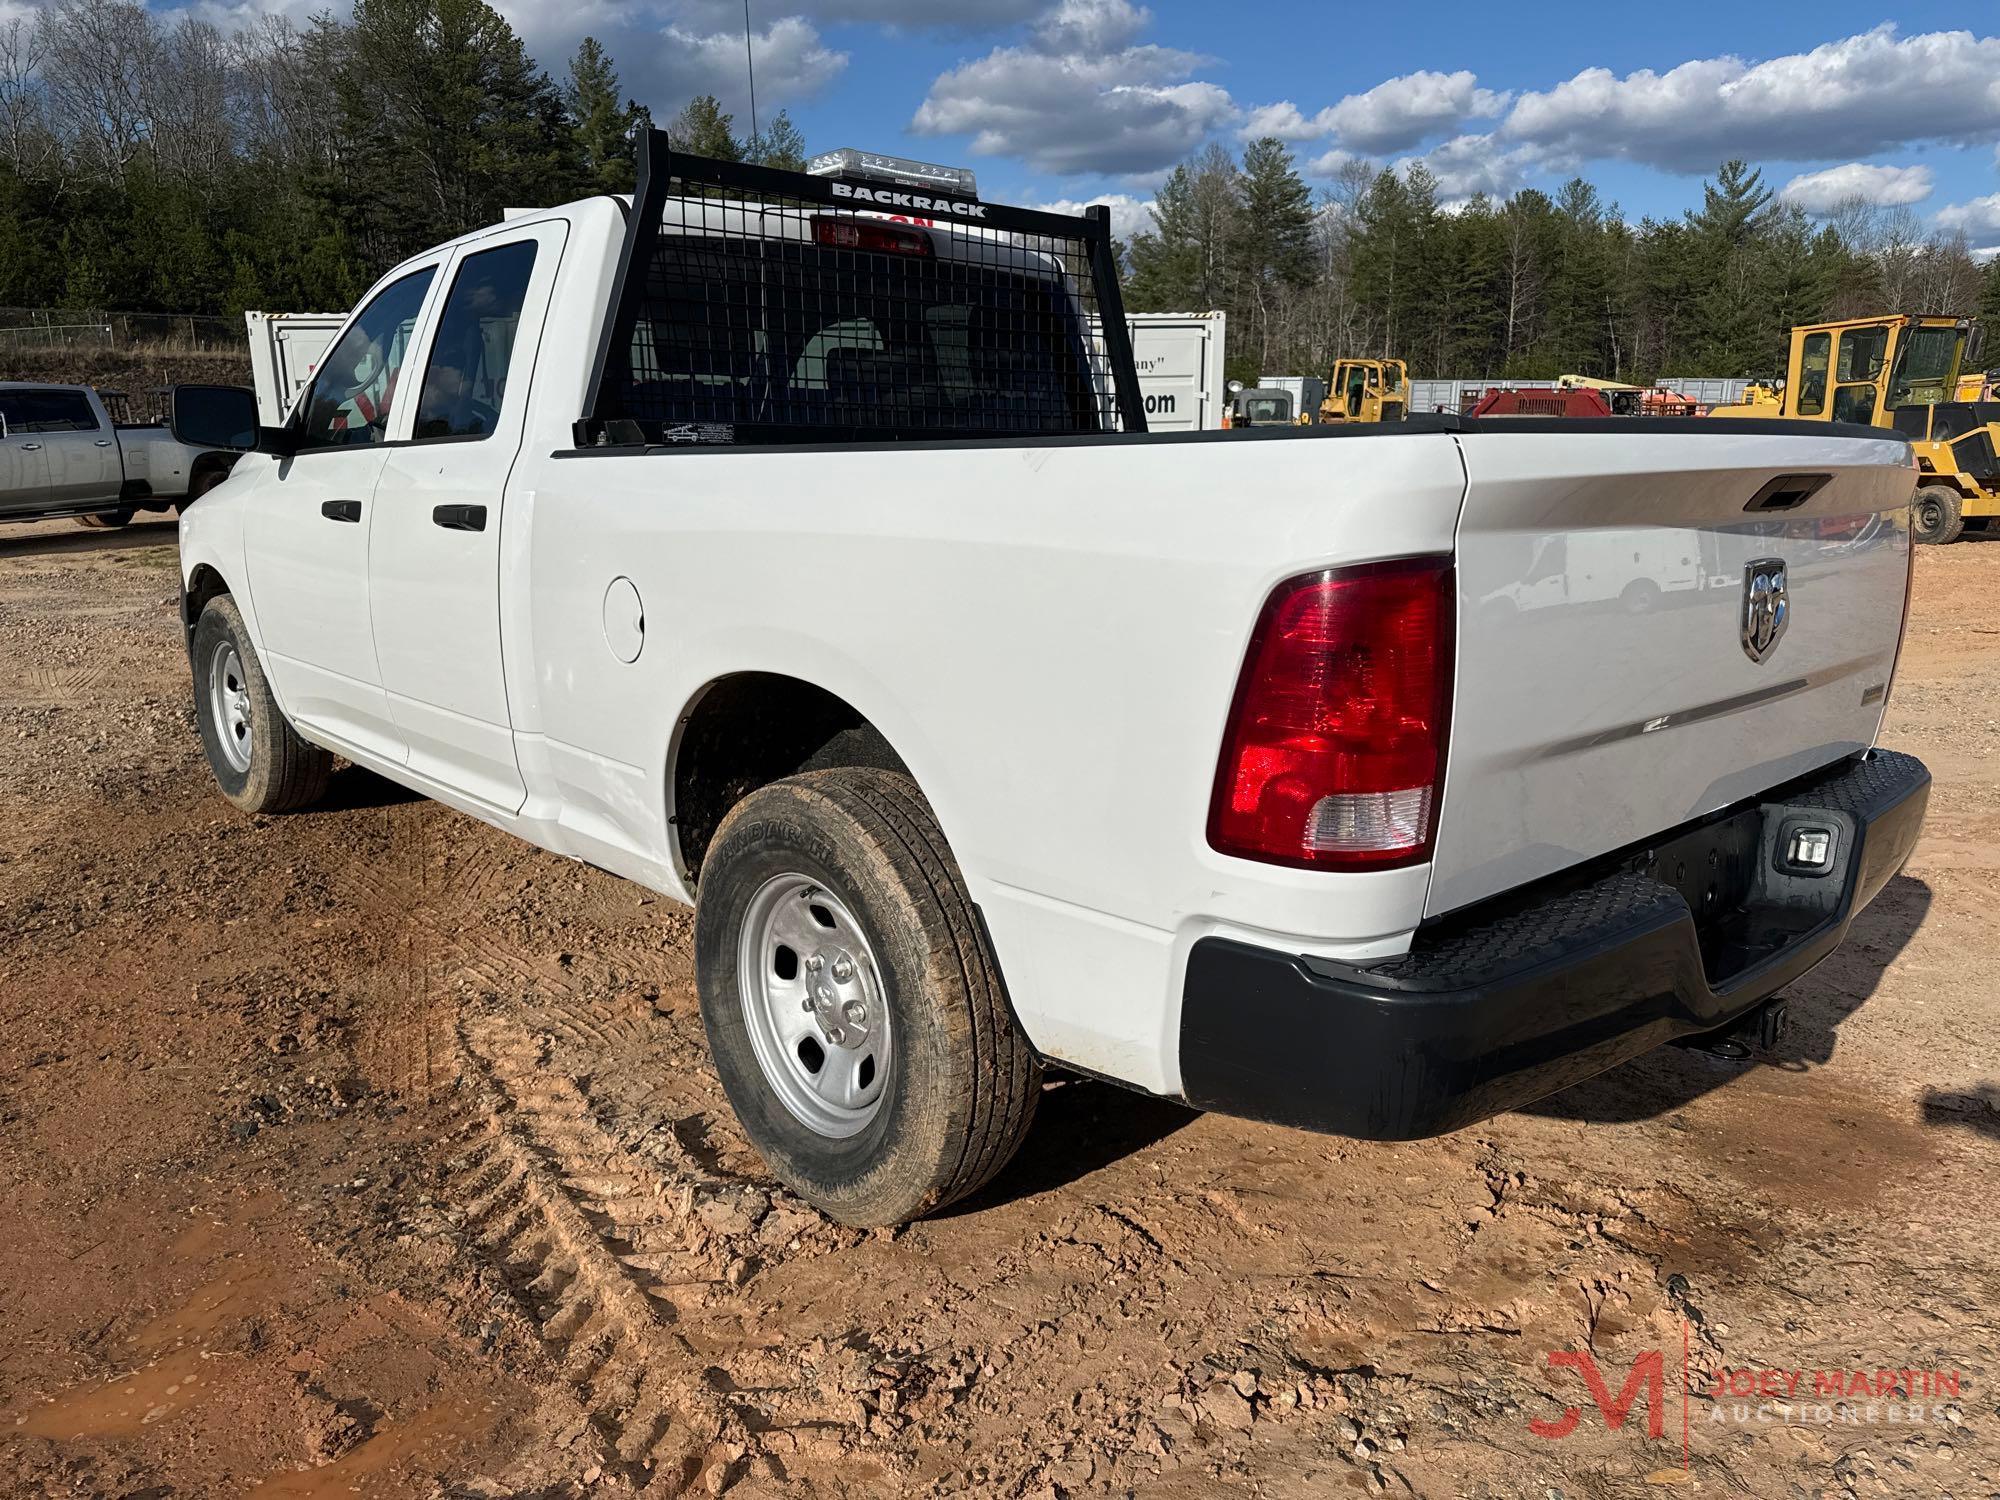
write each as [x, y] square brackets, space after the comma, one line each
[259, 761]
[107, 518]
[853, 1007]
[1934, 515]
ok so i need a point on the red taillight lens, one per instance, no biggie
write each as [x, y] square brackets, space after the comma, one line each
[861, 234]
[1334, 754]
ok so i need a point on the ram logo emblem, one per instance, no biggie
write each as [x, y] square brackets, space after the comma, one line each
[1767, 609]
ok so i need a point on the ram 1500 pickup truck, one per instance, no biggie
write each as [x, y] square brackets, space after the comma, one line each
[785, 544]
[61, 454]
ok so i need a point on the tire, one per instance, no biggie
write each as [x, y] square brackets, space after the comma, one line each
[1641, 597]
[270, 769]
[829, 857]
[1934, 515]
[108, 519]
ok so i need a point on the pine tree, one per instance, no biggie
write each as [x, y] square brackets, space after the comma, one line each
[1270, 249]
[779, 145]
[703, 129]
[447, 123]
[604, 127]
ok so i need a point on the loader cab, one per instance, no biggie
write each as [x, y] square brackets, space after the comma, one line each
[1367, 390]
[1865, 370]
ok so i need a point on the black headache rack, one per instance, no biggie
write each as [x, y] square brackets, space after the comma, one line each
[759, 306]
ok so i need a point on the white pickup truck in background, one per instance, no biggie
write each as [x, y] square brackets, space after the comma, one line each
[61, 454]
[814, 568]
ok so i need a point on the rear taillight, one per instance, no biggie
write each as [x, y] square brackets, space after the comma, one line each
[861, 234]
[1334, 754]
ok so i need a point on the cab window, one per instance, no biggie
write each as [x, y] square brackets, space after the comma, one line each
[355, 389]
[48, 411]
[1812, 373]
[465, 385]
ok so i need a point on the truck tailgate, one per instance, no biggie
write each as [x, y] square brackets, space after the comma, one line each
[1608, 687]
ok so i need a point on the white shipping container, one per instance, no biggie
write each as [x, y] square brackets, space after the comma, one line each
[1179, 356]
[285, 349]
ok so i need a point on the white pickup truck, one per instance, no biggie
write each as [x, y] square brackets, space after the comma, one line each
[777, 542]
[61, 454]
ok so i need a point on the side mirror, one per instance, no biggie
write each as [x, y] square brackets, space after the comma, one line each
[279, 442]
[213, 416]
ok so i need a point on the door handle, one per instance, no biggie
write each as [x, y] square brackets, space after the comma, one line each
[460, 517]
[31, 447]
[102, 443]
[341, 510]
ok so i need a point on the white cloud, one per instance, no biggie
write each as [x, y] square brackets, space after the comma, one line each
[1284, 121]
[1980, 218]
[792, 63]
[1469, 164]
[1130, 215]
[1821, 193]
[1854, 97]
[1083, 94]
[1395, 115]
[1331, 163]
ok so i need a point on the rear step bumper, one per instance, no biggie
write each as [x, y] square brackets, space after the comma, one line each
[1557, 984]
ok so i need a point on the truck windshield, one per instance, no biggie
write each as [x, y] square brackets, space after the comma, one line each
[1926, 366]
[841, 342]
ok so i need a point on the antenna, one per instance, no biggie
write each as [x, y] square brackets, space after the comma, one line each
[750, 65]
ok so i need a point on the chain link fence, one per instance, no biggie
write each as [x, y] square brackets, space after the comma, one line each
[32, 330]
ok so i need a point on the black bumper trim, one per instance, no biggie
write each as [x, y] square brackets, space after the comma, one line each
[1492, 1013]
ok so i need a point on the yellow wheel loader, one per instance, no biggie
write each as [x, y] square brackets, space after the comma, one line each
[1902, 372]
[1958, 459]
[1367, 390]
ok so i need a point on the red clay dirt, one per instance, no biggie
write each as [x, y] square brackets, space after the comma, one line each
[371, 1151]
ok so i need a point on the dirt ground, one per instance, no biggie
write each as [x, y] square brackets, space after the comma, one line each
[370, 1151]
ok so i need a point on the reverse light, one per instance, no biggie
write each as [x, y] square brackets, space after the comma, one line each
[861, 234]
[1333, 758]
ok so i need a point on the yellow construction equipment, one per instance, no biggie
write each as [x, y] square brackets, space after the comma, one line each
[1958, 464]
[1904, 372]
[1978, 385]
[1863, 369]
[1367, 390]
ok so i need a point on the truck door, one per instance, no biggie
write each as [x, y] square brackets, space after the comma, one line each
[24, 465]
[308, 532]
[80, 447]
[435, 557]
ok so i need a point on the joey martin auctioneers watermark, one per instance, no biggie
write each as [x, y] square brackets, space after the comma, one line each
[1911, 1396]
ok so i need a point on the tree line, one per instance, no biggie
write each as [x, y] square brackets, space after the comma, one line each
[147, 165]
[1530, 286]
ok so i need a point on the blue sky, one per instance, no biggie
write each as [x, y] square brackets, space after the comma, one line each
[1078, 100]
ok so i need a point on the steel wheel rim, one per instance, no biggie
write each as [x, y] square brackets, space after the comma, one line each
[814, 1006]
[229, 705]
[1930, 516]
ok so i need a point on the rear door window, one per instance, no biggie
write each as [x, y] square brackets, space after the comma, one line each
[465, 385]
[60, 411]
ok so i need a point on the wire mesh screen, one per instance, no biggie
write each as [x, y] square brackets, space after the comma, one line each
[762, 306]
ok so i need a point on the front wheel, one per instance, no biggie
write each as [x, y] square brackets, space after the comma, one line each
[1934, 515]
[853, 1006]
[259, 761]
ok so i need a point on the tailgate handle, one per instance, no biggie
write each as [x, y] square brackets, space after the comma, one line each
[1788, 492]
